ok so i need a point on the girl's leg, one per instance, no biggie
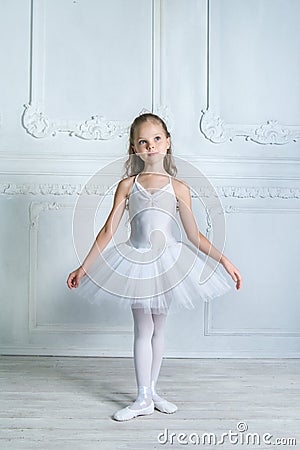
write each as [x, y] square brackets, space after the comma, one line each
[158, 339]
[142, 349]
[148, 352]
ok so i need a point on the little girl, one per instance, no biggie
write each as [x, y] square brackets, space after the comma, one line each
[145, 273]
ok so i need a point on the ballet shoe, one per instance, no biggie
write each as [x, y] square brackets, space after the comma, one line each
[128, 413]
[165, 406]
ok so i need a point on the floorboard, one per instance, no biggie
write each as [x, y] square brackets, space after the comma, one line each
[67, 403]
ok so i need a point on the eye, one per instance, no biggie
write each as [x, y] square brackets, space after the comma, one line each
[142, 141]
[157, 138]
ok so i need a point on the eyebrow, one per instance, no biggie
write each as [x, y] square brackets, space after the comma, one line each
[156, 134]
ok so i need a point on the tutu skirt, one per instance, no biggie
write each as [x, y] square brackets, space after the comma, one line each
[160, 280]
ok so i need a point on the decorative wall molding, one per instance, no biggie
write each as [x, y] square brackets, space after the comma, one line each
[35, 210]
[39, 125]
[59, 189]
[194, 159]
[216, 130]
[209, 330]
[36, 121]
[259, 192]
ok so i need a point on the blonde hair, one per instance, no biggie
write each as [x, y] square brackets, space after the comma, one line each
[135, 165]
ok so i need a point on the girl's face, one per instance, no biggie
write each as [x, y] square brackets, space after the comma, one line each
[150, 140]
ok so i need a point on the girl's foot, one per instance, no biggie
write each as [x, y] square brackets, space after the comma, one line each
[129, 413]
[163, 405]
[142, 406]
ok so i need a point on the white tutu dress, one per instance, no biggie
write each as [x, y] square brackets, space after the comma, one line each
[152, 269]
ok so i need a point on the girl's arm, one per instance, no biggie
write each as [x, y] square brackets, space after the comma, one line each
[198, 239]
[105, 234]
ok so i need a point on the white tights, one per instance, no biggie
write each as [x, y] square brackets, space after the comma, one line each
[148, 353]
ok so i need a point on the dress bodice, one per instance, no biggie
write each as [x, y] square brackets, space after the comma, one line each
[152, 216]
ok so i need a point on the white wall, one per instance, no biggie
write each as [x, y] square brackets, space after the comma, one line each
[225, 76]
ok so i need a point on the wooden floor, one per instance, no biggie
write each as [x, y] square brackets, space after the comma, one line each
[67, 403]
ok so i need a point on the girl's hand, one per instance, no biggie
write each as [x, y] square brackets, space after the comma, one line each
[233, 272]
[75, 277]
